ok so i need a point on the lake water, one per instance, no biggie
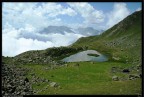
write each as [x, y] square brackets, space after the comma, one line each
[82, 56]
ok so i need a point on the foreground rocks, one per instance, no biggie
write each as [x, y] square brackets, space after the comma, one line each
[14, 81]
[131, 73]
[133, 76]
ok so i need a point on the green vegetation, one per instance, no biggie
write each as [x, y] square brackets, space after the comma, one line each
[96, 55]
[62, 52]
[87, 78]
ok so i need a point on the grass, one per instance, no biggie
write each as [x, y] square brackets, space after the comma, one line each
[95, 55]
[88, 78]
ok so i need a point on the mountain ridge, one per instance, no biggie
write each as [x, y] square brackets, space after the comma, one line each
[87, 31]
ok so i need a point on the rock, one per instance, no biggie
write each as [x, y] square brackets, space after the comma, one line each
[133, 76]
[18, 93]
[13, 89]
[26, 89]
[126, 71]
[66, 65]
[46, 68]
[13, 82]
[54, 84]
[23, 93]
[116, 58]
[3, 92]
[47, 80]
[114, 69]
[140, 75]
[30, 60]
[115, 78]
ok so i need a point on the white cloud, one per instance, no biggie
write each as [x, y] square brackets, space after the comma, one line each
[13, 45]
[138, 9]
[119, 12]
[88, 12]
[39, 16]
[19, 19]
[69, 11]
[54, 9]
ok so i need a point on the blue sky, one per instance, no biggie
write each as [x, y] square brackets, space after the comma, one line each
[107, 6]
[29, 18]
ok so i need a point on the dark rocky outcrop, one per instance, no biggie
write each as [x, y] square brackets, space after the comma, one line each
[126, 71]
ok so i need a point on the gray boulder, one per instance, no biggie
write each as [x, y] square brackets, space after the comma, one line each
[133, 76]
[115, 78]
[54, 84]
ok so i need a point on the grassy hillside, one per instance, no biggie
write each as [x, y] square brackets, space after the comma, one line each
[122, 41]
[49, 56]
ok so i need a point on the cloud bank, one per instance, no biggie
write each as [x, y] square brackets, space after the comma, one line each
[13, 42]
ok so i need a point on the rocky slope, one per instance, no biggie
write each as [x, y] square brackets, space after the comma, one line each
[14, 81]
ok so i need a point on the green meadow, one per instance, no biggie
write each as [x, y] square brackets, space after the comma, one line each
[86, 79]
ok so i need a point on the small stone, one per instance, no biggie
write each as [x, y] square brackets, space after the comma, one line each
[115, 78]
[126, 71]
[133, 76]
[140, 75]
[53, 84]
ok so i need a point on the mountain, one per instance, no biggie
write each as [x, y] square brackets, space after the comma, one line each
[122, 41]
[87, 31]
[56, 29]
